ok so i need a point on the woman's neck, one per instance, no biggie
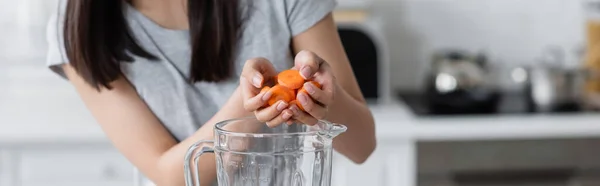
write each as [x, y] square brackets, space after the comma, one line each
[170, 14]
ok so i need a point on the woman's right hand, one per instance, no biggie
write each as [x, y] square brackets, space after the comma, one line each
[255, 74]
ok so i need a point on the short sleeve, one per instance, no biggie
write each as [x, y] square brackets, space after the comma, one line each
[56, 55]
[303, 14]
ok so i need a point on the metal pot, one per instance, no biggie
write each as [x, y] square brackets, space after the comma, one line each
[459, 82]
[553, 86]
[457, 70]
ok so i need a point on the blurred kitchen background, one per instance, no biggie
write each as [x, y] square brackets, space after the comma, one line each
[464, 92]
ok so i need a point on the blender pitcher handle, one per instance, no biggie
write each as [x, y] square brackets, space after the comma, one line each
[190, 155]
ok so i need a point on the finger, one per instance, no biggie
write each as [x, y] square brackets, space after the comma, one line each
[280, 119]
[303, 117]
[253, 97]
[326, 78]
[252, 80]
[256, 69]
[254, 103]
[315, 110]
[269, 113]
[308, 63]
[317, 94]
[291, 120]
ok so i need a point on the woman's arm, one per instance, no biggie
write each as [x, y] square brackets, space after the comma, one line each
[359, 140]
[139, 135]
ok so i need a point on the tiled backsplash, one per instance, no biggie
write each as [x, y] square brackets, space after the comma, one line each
[510, 31]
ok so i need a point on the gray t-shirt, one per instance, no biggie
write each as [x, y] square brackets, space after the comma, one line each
[183, 107]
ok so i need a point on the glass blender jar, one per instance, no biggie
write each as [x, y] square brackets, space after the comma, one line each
[248, 153]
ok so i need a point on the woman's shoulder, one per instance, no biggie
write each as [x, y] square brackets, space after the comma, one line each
[299, 15]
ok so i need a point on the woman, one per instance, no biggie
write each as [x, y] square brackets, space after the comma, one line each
[157, 75]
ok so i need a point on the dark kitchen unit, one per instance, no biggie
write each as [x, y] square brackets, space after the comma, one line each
[426, 104]
[462, 84]
[504, 103]
[547, 162]
[363, 54]
[362, 33]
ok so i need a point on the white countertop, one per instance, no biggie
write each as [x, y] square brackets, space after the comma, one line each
[29, 115]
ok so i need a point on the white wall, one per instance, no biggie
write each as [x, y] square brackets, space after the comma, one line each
[23, 30]
[512, 31]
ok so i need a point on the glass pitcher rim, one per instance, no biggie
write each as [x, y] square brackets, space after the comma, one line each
[336, 127]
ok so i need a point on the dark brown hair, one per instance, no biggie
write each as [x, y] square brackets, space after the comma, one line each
[97, 39]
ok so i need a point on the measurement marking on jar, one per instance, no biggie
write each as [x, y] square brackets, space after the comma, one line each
[254, 179]
[288, 147]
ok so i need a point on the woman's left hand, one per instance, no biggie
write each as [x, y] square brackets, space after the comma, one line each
[318, 100]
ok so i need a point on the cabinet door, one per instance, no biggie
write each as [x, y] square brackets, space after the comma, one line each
[74, 166]
[391, 164]
[3, 169]
[347, 173]
[7, 167]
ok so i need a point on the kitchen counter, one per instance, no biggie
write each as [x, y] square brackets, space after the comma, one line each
[42, 108]
[397, 121]
[58, 115]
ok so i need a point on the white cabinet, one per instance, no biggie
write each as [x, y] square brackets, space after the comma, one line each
[5, 177]
[7, 168]
[391, 164]
[347, 173]
[65, 166]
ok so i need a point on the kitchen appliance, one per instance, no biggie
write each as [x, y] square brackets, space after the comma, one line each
[248, 153]
[362, 33]
[553, 85]
[460, 82]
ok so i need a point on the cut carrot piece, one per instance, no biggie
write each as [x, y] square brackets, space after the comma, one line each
[290, 79]
[280, 92]
[264, 89]
[306, 92]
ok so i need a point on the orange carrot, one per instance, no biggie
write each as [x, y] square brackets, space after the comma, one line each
[290, 79]
[280, 92]
[264, 89]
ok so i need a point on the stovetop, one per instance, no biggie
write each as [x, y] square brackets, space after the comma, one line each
[507, 103]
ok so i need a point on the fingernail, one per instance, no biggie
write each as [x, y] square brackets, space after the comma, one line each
[305, 71]
[286, 115]
[310, 88]
[303, 99]
[256, 80]
[266, 96]
[295, 110]
[281, 105]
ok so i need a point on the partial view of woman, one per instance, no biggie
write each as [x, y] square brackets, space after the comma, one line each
[158, 74]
